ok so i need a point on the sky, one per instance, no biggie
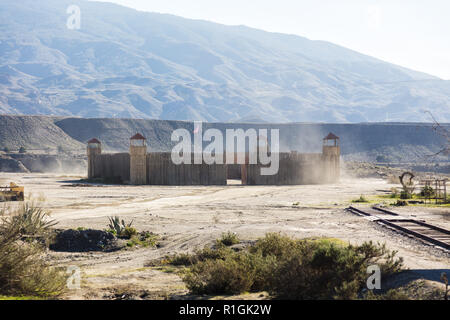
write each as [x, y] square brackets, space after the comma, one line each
[411, 33]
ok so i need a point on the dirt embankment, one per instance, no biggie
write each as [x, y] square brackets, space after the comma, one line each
[34, 133]
[393, 142]
[8, 164]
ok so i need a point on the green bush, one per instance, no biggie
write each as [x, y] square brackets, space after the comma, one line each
[128, 233]
[143, 239]
[427, 192]
[221, 252]
[274, 244]
[361, 199]
[182, 259]
[231, 276]
[237, 273]
[228, 239]
[289, 269]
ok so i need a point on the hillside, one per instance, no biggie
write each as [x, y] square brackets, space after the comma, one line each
[396, 141]
[34, 133]
[128, 64]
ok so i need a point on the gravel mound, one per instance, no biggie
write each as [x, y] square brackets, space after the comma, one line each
[85, 241]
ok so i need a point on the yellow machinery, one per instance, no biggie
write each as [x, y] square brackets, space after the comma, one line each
[12, 193]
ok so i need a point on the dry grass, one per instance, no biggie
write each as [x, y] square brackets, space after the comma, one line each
[23, 272]
[228, 239]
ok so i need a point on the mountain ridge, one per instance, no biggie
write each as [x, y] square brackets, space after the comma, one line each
[128, 63]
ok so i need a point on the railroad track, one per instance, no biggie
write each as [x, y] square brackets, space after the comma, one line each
[419, 229]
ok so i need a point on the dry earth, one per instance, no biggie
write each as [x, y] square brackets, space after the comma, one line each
[188, 218]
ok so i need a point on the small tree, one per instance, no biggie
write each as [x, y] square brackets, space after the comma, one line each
[408, 185]
[22, 150]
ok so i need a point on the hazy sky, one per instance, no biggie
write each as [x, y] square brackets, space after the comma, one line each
[410, 33]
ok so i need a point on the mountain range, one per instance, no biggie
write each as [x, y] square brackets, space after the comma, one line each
[123, 63]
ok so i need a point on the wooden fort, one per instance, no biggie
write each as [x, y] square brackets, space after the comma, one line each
[138, 167]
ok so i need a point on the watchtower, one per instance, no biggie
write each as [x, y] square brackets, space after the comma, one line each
[331, 154]
[331, 144]
[94, 148]
[138, 160]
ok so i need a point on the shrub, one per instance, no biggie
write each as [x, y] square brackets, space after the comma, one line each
[290, 269]
[427, 192]
[230, 276]
[361, 200]
[326, 270]
[274, 244]
[120, 228]
[405, 195]
[22, 150]
[23, 272]
[237, 273]
[143, 239]
[228, 239]
[31, 220]
[128, 232]
[183, 259]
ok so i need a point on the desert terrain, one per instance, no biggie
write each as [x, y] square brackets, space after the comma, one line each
[189, 218]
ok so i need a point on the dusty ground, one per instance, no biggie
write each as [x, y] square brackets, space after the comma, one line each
[192, 217]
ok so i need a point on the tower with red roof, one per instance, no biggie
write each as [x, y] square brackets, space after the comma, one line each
[331, 157]
[138, 160]
[94, 148]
